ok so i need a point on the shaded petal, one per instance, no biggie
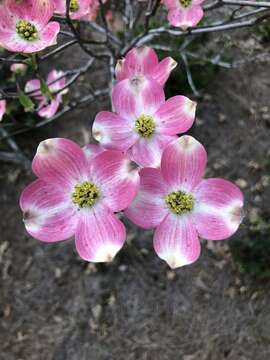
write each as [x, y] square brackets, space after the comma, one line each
[148, 152]
[176, 241]
[99, 235]
[183, 163]
[176, 115]
[136, 96]
[49, 110]
[92, 150]
[54, 84]
[148, 209]
[33, 87]
[60, 161]
[163, 70]
[218, 211]
[3, 105]
[118, 178]
[48, 212]
[114, 131]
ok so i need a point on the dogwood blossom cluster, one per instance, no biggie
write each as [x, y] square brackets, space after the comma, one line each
[141, 168]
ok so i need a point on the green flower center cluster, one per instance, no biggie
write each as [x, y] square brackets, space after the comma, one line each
[74, 6]
[185, 3]
[179, 202]
[26, 30]
[85, 195]
[145, 126]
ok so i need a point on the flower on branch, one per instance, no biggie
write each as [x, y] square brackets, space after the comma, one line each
[181, 206]
[25, 26]
[184, 13]
[78, 194]
[144, 61]
[48, 103]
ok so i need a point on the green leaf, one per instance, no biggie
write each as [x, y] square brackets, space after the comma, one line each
[26, 102]
[45, 89]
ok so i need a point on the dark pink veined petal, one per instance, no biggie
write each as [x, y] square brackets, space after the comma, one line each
[7, 19]
[60, 162]
[140, 60]
[183, 163]
[114, 131]
[218, 211]
[163, 70]
[92, 150]
[99, 235]
[176, 115]
[136, 96]
[148, 209]
[118, 178]
[148, 152]
[38, 12]
[176, 241]
[48, 212]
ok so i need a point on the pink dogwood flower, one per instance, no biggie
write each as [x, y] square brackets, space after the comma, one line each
[144, 123]
[144, 61]
[182, 206]
[25, 26]
[77, 8]
[184, 13]
[3, 106]
[76, 195]
[48, 108]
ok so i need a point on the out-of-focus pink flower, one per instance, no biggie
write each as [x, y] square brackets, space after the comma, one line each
[182, 207]
[77, 8]
[25, 26]
[76, 195]
[144, 61]
[184, 13]
[18, 68]
[144, 123]
[3, 106]
[48, 108]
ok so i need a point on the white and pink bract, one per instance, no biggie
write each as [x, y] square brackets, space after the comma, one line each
[184, 13]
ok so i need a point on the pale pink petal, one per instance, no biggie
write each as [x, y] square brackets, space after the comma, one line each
[176, 241]
[54, 84]
[35, 11]
[92, 150]
[132, 97]
[3, 105]
[118, 178]
[49, 110]
[60, 8]
[148, 152]
[218, 209]
[183, 163]
[171, 4]
[33, 87]
[176, 115]
[163, 70]
[99, 235]
[61, 162]
[185, 18]
[48, 212]
[113, 131]
[148, 209]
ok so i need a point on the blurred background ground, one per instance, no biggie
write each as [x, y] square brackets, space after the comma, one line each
[54, 306]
